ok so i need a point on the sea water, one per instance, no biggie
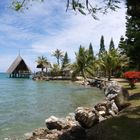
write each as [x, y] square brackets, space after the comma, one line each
[25, 104]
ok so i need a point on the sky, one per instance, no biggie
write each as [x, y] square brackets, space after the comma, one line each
[46, 26]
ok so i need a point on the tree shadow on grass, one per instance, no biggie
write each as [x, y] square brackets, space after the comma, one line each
[123, 127]
[135, 96]
[135, 111]
[128, 88]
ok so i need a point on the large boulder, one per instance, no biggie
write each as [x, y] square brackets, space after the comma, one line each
[117, 93]
[101, 108]
[70, 121]
[121, 99]
[86, 117]
[61, 123]
[55, 123]
[107, 108]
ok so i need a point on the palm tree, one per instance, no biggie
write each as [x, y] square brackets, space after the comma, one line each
[58, 54]
[55, 70]
[83, 64]
[111, 60]
[42, 63]
[47, 65]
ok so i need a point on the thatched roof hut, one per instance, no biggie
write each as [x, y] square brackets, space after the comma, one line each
[19, 69]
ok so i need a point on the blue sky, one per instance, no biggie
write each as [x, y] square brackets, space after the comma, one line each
[47, 26]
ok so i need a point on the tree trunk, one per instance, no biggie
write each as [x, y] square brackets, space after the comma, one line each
[46, 70]
[58, 61]
[109, 75]
[42, 70]
[83, 73]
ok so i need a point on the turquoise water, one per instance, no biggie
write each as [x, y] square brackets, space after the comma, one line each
[25, 104]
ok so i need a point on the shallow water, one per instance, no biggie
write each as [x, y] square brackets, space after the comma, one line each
[25, 104]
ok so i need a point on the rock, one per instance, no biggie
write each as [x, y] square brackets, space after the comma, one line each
[28, 135]
[111, 96]
[115, 92]
[61, 123]
[53, 135]
[101, 118]
[70, 120]
[114, 107]
[55, 123]
[111, 112]
[112, 87]
[39, 133]
[106, 108]
[102, 113]
[121, 100]
[74, 133]
[101, 108]
[86, 117]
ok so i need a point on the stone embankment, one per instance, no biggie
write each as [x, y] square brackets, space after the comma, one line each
[75, 126]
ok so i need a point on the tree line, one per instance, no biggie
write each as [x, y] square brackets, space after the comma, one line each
[107, 62]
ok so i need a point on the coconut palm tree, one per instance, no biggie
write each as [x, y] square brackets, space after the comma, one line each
[111, 60]
[42, 63]
[58, 54]
[83, 64]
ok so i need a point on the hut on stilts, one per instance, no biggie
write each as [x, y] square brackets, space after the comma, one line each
[19, 69]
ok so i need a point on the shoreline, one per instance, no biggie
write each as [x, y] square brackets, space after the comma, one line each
[83, 118]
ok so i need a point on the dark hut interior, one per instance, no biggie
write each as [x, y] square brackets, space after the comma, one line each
[19, 69]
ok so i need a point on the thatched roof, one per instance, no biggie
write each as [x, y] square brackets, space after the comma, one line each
[18, 65]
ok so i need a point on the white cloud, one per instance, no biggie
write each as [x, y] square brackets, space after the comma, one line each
[83, 30]
[46, 27]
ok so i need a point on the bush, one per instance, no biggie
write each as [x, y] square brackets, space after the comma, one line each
[132, 77]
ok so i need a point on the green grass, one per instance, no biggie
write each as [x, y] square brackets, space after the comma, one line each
[126, 126]
[133, 93]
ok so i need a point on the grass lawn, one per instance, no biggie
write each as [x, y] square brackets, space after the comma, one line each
[126, 126]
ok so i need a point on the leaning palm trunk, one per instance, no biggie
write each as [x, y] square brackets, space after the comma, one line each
[84, 75]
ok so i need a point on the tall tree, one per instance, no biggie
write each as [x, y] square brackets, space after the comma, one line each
[102, 46]
[132, 46]
[65, 61]
[91, 52]
[121, 45]
[59, 55]
[111, 46]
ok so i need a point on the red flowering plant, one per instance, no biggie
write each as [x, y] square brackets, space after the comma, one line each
[132, 77]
